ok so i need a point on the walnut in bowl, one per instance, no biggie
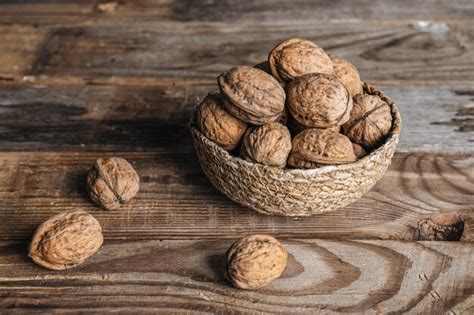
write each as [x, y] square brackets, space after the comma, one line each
[297, 192]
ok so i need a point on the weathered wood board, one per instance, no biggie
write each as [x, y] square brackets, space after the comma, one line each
[177, 201]
[148, 118]
[148, 53]
[182, 276]
[86, 79]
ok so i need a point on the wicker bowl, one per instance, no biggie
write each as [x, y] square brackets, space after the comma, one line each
[295, 192]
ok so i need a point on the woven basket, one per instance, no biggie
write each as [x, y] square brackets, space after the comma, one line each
[295, 192]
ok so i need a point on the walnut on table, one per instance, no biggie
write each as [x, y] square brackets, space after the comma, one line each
[66, 240]
[254, 261]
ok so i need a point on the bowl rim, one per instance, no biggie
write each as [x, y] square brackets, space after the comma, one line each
[392, 136]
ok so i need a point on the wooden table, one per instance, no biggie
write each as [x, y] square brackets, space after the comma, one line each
[83, 79]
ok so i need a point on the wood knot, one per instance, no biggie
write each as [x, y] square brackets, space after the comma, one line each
[441, 227]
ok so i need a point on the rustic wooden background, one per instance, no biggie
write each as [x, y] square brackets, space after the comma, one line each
[85, 79]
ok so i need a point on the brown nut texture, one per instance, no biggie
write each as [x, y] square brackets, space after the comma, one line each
[322, 147]
[66, 240]
[254, 261]
[359, 151]
[268, 144]
[296, 57]
[295, 127]
[347, 74]
[112, 182]
[217, 124]
[318, 100]
[370, 121]
[252, 95]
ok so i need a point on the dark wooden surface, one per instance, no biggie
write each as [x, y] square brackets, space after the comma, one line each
[81, 80]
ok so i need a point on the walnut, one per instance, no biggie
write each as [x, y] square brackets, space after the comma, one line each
[296, 57]
[318, 100]
[347, 74]
[66, 240]
[268, 144]
[217, 124]
[317, 147]
[359, 151]
[254, 261]
[252, 95]
[112, 182]
[370, 121]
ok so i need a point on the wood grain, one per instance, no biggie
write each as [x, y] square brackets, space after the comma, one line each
[151, 118]
[176, 200]
[47, 12]
[182, 276]
[154, 52]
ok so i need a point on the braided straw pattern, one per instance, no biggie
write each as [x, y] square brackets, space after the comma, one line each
[296, 192]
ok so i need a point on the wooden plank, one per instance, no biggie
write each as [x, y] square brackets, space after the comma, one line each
[181, 276]
[103, 118]
[18, 50]
[176, 200]
[148, 53]
[67, 12]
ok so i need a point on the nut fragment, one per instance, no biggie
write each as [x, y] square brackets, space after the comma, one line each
[318, 100]
[268, 144]
[252, 95]
[315, 147]
[66, 240]
[254, 261]
[112, 182]
[370, 121]
[296, 57]
[217, 124]
[347, 74]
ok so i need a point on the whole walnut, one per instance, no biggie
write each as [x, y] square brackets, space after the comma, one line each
[112, 182]
[254, 261]
[318, 100]
[347, 74]
[296, 57]
[252, 95]
[370, 121]
[268, 144]
[316, 147]
[217, 124]
[66, 240]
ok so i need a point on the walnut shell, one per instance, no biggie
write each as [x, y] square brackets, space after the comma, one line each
[66, 240]
[296, 57]
[318, 100]
[347, 74]
[217, 124]
[359, 151]
[321, 147]
[112, 182]
[268, 144]
[252, 95]
[370, 121]
[254, 261]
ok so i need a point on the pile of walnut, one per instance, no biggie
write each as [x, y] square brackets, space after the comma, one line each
[318, 96]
